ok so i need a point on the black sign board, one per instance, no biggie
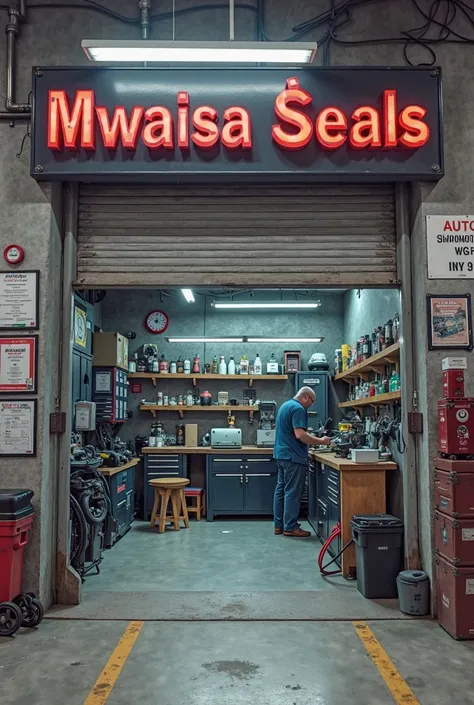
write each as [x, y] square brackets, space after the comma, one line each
[236, 124]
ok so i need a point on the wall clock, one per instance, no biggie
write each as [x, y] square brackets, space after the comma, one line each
[156, 322]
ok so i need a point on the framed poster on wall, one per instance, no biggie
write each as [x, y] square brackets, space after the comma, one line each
[18, 428]
[19, 300]
[449, 321]
[18, 364]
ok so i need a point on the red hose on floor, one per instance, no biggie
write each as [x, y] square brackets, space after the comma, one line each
[334, 534]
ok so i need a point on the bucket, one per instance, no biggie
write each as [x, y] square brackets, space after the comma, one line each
[414, 592]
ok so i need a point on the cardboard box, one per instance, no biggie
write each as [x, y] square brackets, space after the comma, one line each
[110, 350]
[191, 435]
[454, 363]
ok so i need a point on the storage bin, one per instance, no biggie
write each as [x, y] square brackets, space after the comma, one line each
[378, 542]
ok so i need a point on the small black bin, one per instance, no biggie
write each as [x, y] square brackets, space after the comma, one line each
[15, 504]
[378, 542]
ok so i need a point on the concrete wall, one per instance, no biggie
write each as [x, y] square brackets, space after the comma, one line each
[124, 312]
[27, 216]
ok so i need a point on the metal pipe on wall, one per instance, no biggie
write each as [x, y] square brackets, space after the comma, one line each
[12, 31]
[410, 469]
[68, 582]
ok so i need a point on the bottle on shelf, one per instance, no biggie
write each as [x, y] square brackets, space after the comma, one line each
[196, 364]
[180, 366]
[155, 364]
[388, 333]
[231, 366]
[395, 382]
[132, 364]
[214, 366]
[257, 365]
[189, 399]
[367, 347]
[180, 434]
[149, 364]
[173, 367]
[396, 328]
[272, 365]
[222, 369]
[163, 367]
[244, 365]
[187, 366]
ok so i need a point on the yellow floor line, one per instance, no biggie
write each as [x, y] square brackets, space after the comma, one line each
[400, 691]
[107, 679]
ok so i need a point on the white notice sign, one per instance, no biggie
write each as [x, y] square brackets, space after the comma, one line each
[450, 246]
[18, 428]
[19, 299]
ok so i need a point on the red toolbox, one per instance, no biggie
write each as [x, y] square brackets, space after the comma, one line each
[16, 608]
[454, 539]
[455, 599]
[454, 465]
[454, 493]
[453, 384]
[456, 426]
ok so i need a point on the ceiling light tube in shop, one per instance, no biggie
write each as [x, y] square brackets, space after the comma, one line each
[188, 295]
[171, 52]
[203, 339]
[282, 305]
[262, 339]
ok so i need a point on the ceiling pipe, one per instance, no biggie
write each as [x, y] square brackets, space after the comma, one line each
[145, 7]
[12, 31]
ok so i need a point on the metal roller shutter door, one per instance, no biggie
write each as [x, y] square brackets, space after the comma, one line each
[338, 235]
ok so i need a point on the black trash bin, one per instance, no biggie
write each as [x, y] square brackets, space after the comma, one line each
[378, 542]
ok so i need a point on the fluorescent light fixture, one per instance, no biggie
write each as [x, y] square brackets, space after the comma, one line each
[283, 340]
[263, 305]
[131, 51]
[188, 295]
[203, 339]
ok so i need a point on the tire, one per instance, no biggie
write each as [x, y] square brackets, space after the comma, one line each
[78, 538]
[95, 510]
[34, 615]
[11, 618]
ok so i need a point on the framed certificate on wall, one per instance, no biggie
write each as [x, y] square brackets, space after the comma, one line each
[18, 428]
[18, 364]
[19, 300]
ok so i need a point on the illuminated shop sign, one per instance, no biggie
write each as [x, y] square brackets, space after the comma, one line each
[344, 124]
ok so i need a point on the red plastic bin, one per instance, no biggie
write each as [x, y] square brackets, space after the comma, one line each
[13, 539]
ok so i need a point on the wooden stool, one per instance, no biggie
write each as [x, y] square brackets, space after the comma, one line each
[167, 488]
[199, 508]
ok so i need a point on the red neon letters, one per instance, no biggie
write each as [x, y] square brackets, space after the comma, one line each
[370, 128]
[73, 125]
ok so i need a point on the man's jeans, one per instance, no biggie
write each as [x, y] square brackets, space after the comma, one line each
[288, 494]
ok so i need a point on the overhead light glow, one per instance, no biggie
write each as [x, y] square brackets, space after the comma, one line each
[284, 340]
[131, 51]
[203, 339]
[188, 295]
[263, 305]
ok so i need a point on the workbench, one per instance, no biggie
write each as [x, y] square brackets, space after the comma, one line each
[339, 488]
[239, 481]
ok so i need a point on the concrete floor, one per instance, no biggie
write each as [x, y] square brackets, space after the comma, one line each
[212, 663]
[226, 570]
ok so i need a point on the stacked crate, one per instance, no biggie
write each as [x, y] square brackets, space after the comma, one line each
[454, 505]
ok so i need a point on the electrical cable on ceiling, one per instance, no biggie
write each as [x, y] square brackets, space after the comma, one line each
[438, 27]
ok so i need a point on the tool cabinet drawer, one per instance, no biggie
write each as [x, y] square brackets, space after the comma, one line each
[226, 463]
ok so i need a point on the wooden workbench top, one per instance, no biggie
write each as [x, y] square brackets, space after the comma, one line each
[113, 471]
[247, 450]
[344, 465]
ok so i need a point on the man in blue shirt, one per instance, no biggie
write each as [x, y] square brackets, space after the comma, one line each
[291, 453]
